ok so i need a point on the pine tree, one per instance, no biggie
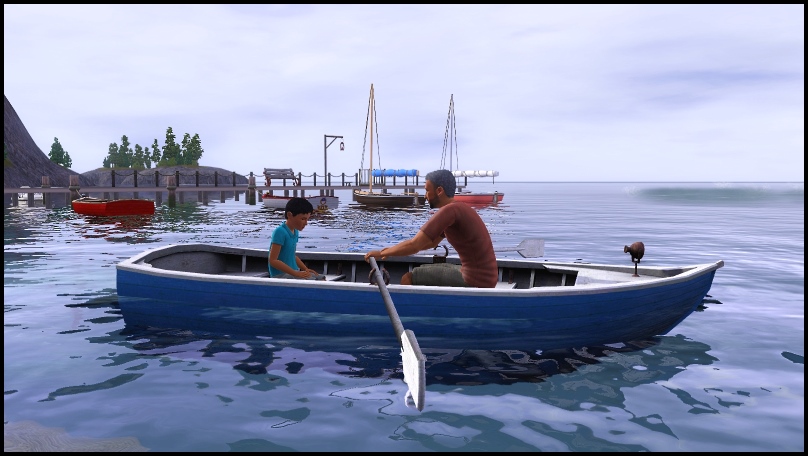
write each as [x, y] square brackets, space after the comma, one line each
[184, 153]
[58, 155]
[114, 158]
[155, 157]
[137, 158]
[125, 153]
[171, 150]
[194, 151]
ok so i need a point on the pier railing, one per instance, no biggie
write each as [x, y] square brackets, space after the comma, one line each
[147, 183]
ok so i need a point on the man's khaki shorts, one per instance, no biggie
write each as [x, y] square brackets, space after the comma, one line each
[439, 274]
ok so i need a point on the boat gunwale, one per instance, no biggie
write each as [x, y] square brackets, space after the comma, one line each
[140, 264]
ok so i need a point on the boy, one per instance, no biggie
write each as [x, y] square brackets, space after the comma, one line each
[283, 261]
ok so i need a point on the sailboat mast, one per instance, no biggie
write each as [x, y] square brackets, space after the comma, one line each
[451, 131]
[372, 108]
[450, 138]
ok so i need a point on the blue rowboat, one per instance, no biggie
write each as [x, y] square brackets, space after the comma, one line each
[538, 305]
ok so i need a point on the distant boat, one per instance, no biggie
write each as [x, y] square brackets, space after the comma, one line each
[368, 198]
[450, 146]
[37, 196]
[380, 199]
[479, 198]
[108, 207]
[320, 203]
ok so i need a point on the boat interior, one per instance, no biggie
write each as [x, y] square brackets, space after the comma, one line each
[351, 267]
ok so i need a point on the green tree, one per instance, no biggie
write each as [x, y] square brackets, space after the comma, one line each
[186, 141]
[113, 155]
[155, 150]
[146, 158]
[58, 155]
[125, 153]
[138, 159]
[171, 150]
[194, 151]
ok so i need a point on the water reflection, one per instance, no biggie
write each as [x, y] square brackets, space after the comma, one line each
[255, 351]
[387, 210]
[136, 229]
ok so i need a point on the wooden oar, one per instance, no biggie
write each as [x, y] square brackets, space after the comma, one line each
[413, 360]
[528, 248]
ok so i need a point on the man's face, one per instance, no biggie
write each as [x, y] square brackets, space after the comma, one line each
[431, 193]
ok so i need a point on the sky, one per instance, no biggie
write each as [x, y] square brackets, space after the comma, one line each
[546, 93]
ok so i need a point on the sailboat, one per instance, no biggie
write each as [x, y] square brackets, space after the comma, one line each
[382, 199]
[450, 146]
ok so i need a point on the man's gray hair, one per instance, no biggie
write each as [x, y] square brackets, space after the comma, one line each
[443, 178]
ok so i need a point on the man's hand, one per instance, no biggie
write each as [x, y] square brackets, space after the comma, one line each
[375, 254]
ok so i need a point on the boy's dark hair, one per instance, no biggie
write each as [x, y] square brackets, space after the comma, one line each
[443, 178]
[297, 206]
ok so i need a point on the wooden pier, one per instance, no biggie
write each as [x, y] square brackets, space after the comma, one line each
[62, 196]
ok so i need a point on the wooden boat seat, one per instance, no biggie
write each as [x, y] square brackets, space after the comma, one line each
[247, 273]
[328, 277]
[505, 285]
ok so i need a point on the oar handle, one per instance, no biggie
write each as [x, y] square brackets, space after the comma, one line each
[388, 301]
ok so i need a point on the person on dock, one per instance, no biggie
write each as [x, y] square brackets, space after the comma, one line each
[283, 260]
[462, 227]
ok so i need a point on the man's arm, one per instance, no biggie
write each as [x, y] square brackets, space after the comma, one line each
[409, 247]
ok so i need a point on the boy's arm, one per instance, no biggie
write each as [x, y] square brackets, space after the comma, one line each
[274, 252]
[302, 265]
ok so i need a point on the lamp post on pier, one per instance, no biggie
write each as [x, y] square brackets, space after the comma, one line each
[326, 143]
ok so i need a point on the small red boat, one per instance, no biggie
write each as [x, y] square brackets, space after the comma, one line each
[479, 198]
[106, 207]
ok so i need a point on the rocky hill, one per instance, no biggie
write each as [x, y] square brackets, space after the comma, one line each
[102, 177]
[26, 162]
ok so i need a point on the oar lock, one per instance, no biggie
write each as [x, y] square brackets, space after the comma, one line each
[637, 250]
[439, 258]
[385, 276]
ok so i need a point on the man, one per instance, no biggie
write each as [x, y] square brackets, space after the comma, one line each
[462, 226]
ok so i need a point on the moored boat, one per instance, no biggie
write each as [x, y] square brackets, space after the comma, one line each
[367, 197]
[108, 207]
[320, 203]
[479, 198]
[539, 305]
[388, 200]
[450, 153]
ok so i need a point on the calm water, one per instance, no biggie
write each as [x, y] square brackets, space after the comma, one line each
[729, 378]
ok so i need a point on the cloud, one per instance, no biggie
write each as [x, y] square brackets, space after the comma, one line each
[542, 92]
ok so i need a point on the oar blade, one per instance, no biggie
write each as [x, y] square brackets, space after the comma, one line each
[412, 359]
[531, 248]
[414, 366]
[528, 248]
